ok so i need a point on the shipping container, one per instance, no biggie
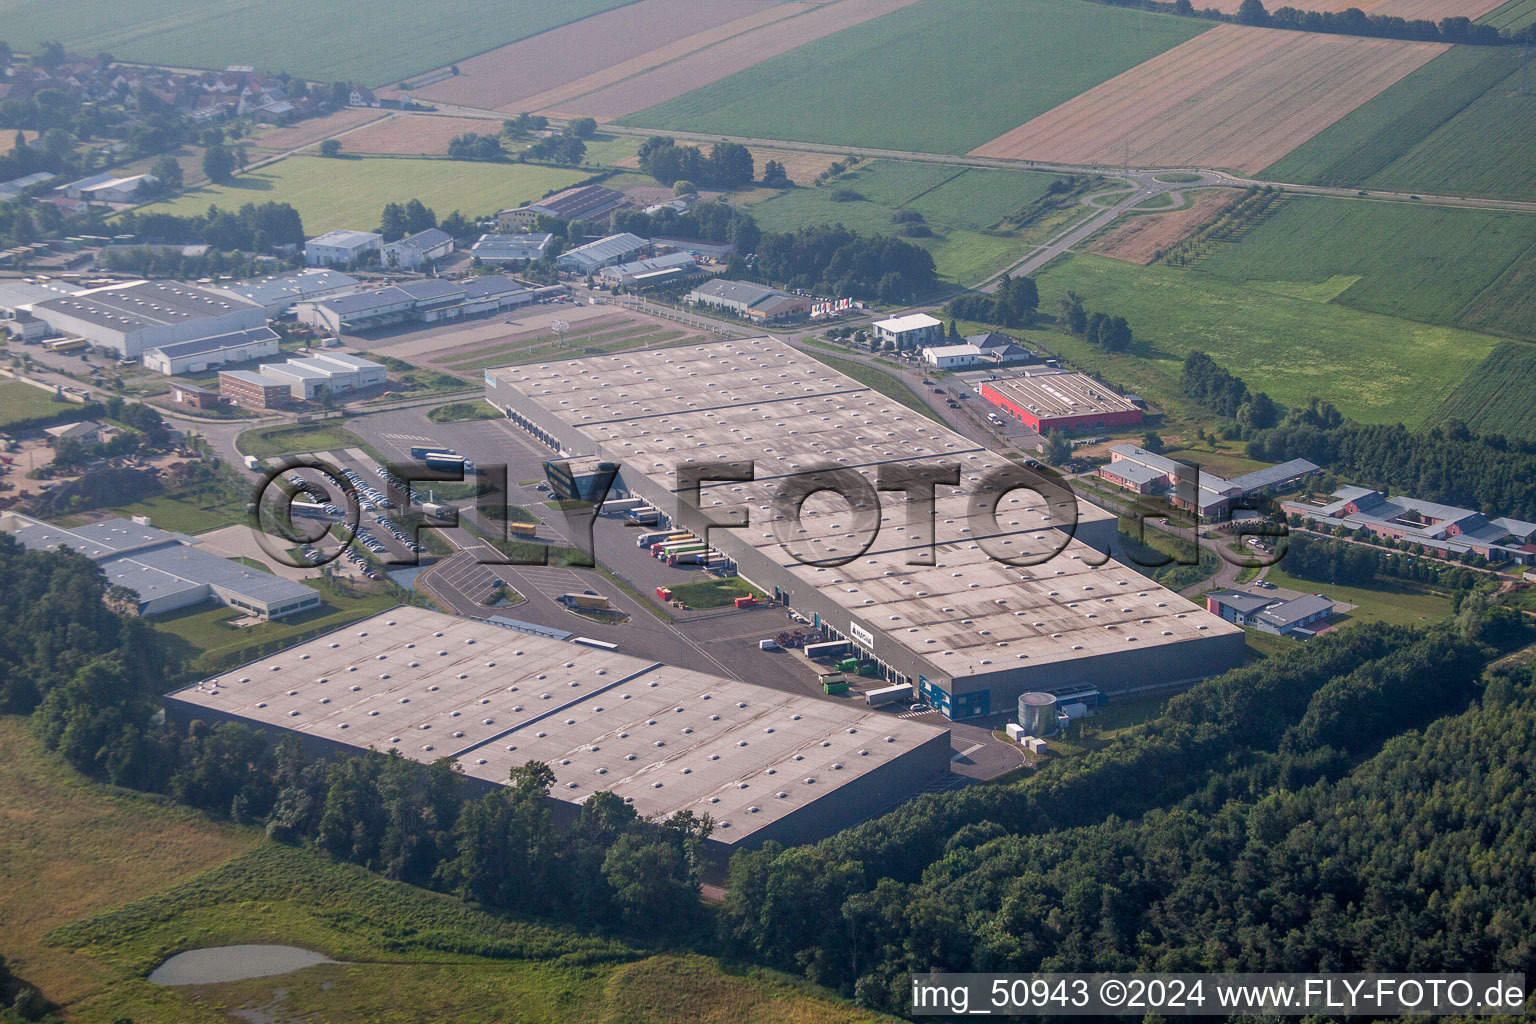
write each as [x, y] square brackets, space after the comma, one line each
[829, 649]
[645, 516]
[614, 506]
[651, 540]
[521, 529]
[888, 695]
[446, 462]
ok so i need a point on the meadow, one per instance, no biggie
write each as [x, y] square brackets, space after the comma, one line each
[1455, 126]
[372, 41]
[595, 339]
[1391, 602]
[1496, 399]
[19, 401]
[1374, 368]
[875, 379]
[352, 192]
[1418, 262]
[145, 879]
[934, 77]
[958, 205]
[295, 439]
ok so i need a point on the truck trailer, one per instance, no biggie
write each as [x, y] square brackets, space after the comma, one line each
[888, 695]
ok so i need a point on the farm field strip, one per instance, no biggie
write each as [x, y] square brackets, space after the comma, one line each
[1374, 368]
[1515, 14]
[333, 194]
[317, 129]
[1139, 239]
[375, 42]
[415, 134]
[514, 352]
[703, 68]
[580, 57]
[1496, 398]
[1235, 97]
[844, 89]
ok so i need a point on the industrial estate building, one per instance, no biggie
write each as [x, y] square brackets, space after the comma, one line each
[252, 390]
[419, 250]
[1445, 530]
[138, 315]
[675, 266]
[165, 571]
[278, 293]
[1046, 400]
[430, 301]
[762, 763]
[605, 252]
[107, 187]
[1284, 617]
[527, 247]
[206, 353]
[911, 331]
[333, 372]
[749, 301]
[989, 349]
[584, 202]
[1144, 472]
[341, 248]
[970, 632]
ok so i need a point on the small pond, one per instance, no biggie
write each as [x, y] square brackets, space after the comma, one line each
[233, 963]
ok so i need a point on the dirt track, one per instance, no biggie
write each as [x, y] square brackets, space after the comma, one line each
[527, 74]
[1232, 97]
[704, 67]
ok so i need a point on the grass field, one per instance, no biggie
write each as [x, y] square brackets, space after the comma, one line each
[715, 593]
[957, 204]
[459, 412]
[1395, 604]
[1457, 125]
[1433, 264]
[295, 439]
[581, 340]
[1497, 397]
[877, 379]
[1375, 368]
[20, 401]
[144, 879]
[332, 194]
[190, 510]
[934, 77]
[354, 40]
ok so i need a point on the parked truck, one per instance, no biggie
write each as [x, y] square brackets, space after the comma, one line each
[888, 695]
[828, 649]
[252, 462]
[422, 451]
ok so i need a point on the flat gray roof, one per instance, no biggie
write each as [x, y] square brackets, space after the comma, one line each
[664, 739]
[145, 304]
[291, 287]
[1056, 394]
[233, 339]
[760, 401]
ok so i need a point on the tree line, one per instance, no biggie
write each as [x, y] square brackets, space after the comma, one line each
[1209, 383]
[255, 227]
[829, 259]
[1354, 22]
[1105, 330]
[1012, 305]
[1268, 821]
[728, 165]
[1358, 564]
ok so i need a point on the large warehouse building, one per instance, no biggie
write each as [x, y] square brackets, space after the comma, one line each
[970, 631]
[165, 571]
[1046, 400]
[138, 315]
[762, 763]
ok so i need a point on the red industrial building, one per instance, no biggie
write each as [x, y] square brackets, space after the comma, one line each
[1060, 400]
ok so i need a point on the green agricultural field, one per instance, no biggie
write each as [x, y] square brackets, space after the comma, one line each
[1423, 263]
[1497, 397]
[1457, 125]
[1375, 368]
[958, 205]
[332, 194]
[295, 439]
[580, 341]
[20, 401]
[372, 41]
[936, 76]
[1514, 15]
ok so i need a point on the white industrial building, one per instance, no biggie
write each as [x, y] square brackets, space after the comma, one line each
[109, 188]
[203, 354]
[952, 357]
[419, 250]
[134, 316]
[341, 248]
[528, 247]
[605, 252]
[333, 372]
[434, 300]
[966, 629]
[278, 294]
[675, 266]
[165, 571]
[911, 331]
[762, 763]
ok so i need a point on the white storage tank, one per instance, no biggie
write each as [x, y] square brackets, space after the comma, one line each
[1037, 714]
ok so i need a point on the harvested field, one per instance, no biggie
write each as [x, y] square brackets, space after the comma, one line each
[317, 129]
[415, 134]
[508, 77]
[704, 67]
[1138, 239]
[1233, 97]
[1428, 10]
